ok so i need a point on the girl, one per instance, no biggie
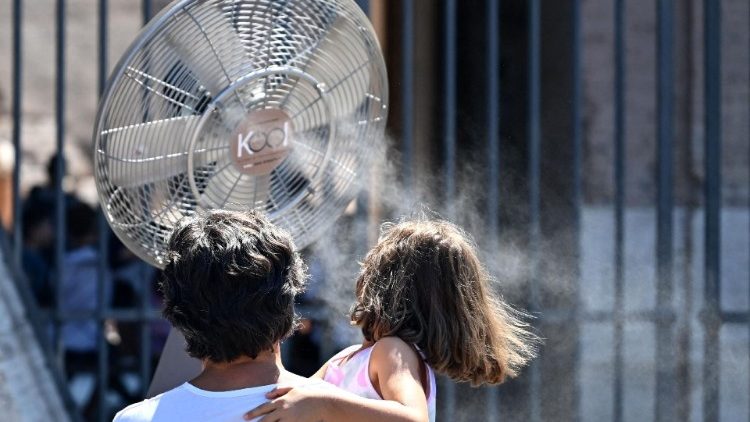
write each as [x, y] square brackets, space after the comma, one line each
[425, 305]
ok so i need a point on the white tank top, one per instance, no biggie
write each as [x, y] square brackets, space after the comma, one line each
[353, 375]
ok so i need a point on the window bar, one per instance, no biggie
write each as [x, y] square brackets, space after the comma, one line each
[534, 146]
[619, 163]
[103, 230]
[665, 397]
[407, 91]
[712, 163]
[449, 149]
[577, 188]
[16, 135]
[493, 153]
[59, 166]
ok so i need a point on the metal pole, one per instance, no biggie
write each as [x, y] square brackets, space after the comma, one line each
[59, 249]
[407, 91]
[103, 288]
[711, 317]
[619, 206]
[577, 191]
[449, 136]
[449, 147]
[493, 154]
[665, 397]
[493, 115]
[145, 305]
[145, 321]
[534, 145]
[364, 5]
[146, 11]
[16, 135]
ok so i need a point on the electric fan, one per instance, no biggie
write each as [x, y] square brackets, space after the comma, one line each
[236, 104]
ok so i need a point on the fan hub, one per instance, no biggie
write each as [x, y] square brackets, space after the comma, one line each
[261, 142]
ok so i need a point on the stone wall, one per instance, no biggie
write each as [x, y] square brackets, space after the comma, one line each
[27, 389]
[38, 133]
[641, 106]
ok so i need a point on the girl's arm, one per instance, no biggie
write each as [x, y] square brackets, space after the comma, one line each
[394, 372]
[320, 373]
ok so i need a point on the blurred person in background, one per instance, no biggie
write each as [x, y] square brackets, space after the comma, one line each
[37, 222]
[38, 236]
[79, 292]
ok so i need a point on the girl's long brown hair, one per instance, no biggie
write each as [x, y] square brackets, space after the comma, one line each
[423, 283]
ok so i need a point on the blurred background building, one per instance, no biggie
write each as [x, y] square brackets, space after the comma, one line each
[599, 151]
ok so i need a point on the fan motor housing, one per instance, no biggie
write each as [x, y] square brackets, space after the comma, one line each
[261, 142]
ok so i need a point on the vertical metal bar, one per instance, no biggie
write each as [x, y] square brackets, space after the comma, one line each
[684, 379]
[493, 114]
[59, 168]
[365, 6]
[145, 305]
[103, 230]
[712, 104]
[449, 137]
[407, 90]
[449, 146]
[146, 11]
[665, 398]
[534, 145]
[577, 191]
[145, 320]
[16, 135]
[493, 154]
[619, 164]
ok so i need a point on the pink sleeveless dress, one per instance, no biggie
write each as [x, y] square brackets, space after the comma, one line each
[353, 375]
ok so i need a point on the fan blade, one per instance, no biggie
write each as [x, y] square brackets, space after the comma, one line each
[209, 46]
[342, 63]
[148, 152]
[235, 191]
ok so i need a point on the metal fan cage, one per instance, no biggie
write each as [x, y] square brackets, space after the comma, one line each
[272, 105]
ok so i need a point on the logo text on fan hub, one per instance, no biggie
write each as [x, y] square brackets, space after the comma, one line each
[261, 142]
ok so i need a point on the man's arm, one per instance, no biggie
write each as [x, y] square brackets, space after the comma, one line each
[394, 372]
[329, 404]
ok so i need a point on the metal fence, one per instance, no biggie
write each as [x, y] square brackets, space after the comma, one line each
[492, 150]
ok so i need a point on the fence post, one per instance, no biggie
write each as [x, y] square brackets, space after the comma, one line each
[665, 399]
[619, 164]
[534, 146]
[16, 135]
[712, 271]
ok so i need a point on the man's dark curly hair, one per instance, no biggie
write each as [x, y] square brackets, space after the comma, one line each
[230, 283]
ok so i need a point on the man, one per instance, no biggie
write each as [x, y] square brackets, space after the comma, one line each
[229, 286]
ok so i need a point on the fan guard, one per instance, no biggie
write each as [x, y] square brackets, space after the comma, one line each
[239, 104]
